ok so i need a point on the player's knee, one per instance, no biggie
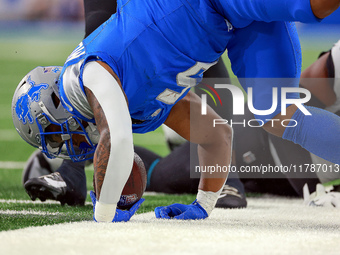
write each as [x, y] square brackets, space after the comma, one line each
[323, 8]
[224, 134]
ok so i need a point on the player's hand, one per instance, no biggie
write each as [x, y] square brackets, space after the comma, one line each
[194, 211]
[121, 215]
[322, 198]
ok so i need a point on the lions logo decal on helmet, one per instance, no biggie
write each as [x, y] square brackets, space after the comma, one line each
[22, 107]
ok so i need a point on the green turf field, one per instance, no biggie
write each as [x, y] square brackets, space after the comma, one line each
[19, 53]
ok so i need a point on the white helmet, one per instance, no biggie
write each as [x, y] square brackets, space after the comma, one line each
[36, 105]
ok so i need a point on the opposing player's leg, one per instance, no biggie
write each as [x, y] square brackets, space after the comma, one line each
[171, 174]
[318, 78]
[38, 164]
[59, 180]
[291, 154]
[97, 12]
[251, 150]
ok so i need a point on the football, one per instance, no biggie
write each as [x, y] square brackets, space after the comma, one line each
[135, 185]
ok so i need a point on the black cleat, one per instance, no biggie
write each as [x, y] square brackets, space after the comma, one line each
[38, 164]
[45, 187]
[231, 198]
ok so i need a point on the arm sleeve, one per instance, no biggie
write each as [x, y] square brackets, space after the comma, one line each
[112, 101]
[96, 12]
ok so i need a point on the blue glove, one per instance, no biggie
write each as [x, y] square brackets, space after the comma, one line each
[194, 211]
[120, 214]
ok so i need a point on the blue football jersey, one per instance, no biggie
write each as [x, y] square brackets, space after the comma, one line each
[159, 49]
[156, 63]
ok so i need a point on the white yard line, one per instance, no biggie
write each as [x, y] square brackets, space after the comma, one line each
[9, 135]
[11, 165]
[21, 165]
[267, 226]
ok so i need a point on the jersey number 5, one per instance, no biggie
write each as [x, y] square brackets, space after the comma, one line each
[187, 79]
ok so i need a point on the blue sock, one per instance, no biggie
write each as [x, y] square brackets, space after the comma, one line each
[318, 133]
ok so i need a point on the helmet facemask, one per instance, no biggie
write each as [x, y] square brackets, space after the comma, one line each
[62, 139]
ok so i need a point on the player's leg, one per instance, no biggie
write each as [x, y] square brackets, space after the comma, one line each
[97, 12]
[274, 52]
[243, 13]
[55, 179]
[147, 156]
[251, 150]
[317, 133]
[291, 154]
[318, 78]
[171, 174]
[38, 164]
[322, 8]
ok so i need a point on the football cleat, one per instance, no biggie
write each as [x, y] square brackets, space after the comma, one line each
[45, 187]
[38, 165]
[230, 197]
[322, 197]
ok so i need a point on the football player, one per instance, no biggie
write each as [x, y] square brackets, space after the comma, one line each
[65, 181]
[133, 73]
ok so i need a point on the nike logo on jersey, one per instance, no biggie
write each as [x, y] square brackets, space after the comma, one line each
[230, 26]
[77, 52]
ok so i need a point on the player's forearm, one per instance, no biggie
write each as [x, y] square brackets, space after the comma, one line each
[100, 161]
[114, 154]
[112, 166]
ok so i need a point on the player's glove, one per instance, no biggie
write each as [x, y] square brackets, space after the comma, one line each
[121, 215]
[321, 197]
[194, 211]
